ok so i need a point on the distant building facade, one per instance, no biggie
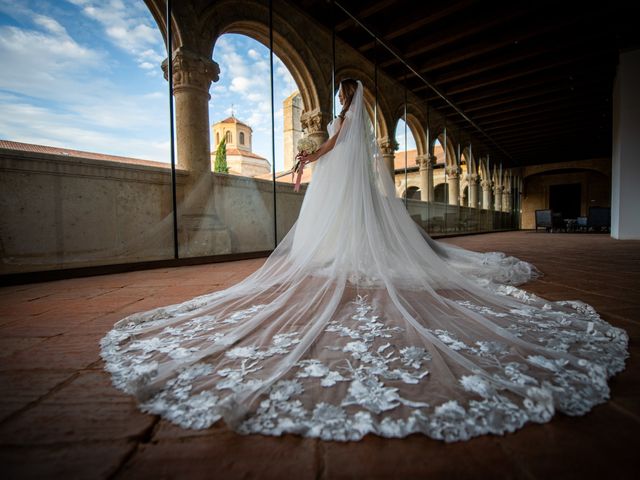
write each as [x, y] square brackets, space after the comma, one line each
[240, 159]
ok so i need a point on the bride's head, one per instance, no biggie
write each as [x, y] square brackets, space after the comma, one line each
[348, 88]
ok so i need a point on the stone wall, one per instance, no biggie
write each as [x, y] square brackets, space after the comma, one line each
[62, 212]
[594, 177]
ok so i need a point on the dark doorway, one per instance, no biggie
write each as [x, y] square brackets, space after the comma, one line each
[440, 193]
[566, 199]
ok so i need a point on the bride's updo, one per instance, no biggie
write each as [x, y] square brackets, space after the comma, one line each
[348, 87]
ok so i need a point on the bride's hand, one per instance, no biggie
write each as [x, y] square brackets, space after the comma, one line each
[310, 157]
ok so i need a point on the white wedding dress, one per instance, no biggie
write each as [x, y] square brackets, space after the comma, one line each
[359, 323]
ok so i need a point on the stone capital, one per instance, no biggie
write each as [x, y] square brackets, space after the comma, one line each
[388, 146]
[425, 161]
[312, 121]
[453, 171]
[191, 71]
[486, 185]
[498, 188]
[474, 178]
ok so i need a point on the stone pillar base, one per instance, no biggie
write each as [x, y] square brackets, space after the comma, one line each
[202, 235]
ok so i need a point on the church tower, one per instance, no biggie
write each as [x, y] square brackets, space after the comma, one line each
[292, 131]
[240, 159]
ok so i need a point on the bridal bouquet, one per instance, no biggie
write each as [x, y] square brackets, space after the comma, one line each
[306, 146]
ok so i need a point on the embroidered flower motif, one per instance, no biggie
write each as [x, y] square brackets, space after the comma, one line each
[414, 356]
[372, 354]
[372, 395]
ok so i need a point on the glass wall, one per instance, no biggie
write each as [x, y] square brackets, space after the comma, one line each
[84, 136]
[86, 145]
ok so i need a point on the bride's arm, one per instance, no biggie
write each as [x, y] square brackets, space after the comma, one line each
[325, 147]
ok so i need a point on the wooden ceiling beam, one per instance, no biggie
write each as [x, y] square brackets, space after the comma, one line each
[465, 53]
[533, 122]
[548, 110]
[535, 140]
[560, 101]
[372, 9]
[588, 59]
[569, 90]
[545, 130]
[549, 48]
[403, 27]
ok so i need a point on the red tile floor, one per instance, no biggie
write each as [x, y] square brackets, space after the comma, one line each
[61, 418]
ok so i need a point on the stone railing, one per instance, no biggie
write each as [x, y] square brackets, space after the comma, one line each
[60, 212]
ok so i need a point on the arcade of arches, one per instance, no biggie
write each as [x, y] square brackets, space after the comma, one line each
[451, 182]
[469, 182]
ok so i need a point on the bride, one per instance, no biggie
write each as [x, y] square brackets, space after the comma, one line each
[359, 322]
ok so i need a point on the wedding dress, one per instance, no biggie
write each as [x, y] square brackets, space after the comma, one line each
[359, 323]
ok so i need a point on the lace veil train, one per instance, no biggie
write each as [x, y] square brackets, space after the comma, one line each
[359, 322]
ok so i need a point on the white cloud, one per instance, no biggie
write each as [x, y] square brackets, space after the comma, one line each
[128, 27]
[84, 130]
[63, 93]
[44, 62]
[51, 25]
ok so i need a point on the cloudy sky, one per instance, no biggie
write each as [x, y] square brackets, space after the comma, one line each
[85, 74]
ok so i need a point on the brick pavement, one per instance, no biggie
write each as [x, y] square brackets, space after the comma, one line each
[61, 418]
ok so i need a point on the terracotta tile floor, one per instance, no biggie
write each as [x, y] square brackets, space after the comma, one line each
[61, 418]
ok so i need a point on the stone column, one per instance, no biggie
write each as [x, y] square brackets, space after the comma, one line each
[486, 194]
[201, 229]
[192, 77]
[388, 148]
[314, 124]
[506, 200]
[453, 180]
[425, 163]
[497, 189]
[474, 179]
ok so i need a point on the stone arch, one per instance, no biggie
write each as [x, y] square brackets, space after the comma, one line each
[158, 12]
[451, 154]
[464, 198]
[599, 165]
[284, 51]
[412, 192]
[440, 192]
[482, 169]
[415, 122]
[250, 19]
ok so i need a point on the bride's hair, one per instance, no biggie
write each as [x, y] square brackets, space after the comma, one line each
[348, 87]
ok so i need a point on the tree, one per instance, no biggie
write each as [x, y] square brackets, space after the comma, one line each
[220, 164]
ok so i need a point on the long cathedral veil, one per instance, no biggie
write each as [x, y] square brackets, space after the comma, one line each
[359, 323]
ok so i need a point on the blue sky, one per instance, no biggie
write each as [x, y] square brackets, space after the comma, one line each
[85, 74]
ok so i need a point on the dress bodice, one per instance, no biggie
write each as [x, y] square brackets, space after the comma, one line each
[333, 125]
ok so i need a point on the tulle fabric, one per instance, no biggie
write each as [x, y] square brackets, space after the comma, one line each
[359, 322]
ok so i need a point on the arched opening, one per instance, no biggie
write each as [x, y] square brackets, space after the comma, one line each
[412, 192]
[244, 91]
[228, 137]
[409, 140]
[406, 146]
[440, 193]
[438, 152]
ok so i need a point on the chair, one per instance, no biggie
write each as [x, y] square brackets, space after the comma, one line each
[549, 220]
[543, 219]
[599, 219]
